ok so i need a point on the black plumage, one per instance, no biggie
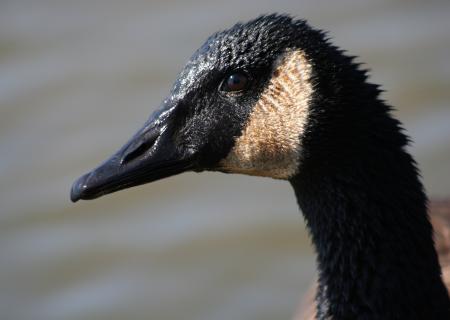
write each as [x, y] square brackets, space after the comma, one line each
[357, 186]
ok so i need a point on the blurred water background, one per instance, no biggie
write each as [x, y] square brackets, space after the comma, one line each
[77, 78]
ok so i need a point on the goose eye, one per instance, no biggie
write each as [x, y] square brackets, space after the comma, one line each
[235, 82]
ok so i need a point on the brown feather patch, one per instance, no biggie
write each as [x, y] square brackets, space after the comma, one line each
[270, 142]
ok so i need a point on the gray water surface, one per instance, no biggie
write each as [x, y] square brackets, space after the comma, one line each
[77, 78]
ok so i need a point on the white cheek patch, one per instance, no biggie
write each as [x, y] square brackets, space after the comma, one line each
[270, 143]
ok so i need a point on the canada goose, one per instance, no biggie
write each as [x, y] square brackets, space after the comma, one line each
[272, 97]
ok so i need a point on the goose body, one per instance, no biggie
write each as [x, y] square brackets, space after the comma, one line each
[272, 97]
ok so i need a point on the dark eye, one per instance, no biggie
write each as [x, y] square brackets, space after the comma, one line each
[235, 82]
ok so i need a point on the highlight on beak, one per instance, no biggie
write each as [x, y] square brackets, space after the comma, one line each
[150, 155]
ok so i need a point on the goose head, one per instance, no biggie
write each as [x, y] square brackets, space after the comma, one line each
[262, 98]
[273, 98]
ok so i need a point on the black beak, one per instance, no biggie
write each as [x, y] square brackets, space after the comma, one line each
[150, 155]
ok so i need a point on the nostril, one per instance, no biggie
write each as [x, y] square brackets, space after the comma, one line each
[139, 148]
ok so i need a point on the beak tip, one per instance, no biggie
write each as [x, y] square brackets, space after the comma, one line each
[74, 197]
[78, 189]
